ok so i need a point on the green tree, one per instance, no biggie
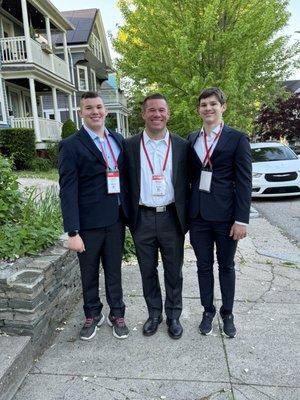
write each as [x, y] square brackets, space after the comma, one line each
[180, 47]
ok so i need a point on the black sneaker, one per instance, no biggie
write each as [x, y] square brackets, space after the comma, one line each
[228, 325]
[205, 326]
[120, 330]
[89, 329]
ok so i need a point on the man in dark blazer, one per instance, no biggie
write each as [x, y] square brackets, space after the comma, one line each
[158, 188]
[92, 200]
[220, 204]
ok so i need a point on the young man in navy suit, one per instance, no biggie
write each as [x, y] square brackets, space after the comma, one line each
[93, 207]
[220, 204]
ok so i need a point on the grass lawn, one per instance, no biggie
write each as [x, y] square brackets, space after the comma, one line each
[52, 174]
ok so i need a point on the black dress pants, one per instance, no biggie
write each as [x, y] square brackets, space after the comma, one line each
[160, 231]
[203, 236]
[106, 244]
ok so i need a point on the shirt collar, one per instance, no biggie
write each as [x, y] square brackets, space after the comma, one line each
[94, 135]
[215, 130]
[147, 139]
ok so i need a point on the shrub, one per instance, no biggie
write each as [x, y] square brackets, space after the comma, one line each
[38, 227]
[68, 129]
[52, 150]
[10, 197]
[40, 164]
[129, 249]
[19, 144]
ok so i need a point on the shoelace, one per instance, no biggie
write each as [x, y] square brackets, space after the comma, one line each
[119, 321]
[88, 322]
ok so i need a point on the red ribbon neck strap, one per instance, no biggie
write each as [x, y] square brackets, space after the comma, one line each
[148, 159]
[111, 152]
[207, 159]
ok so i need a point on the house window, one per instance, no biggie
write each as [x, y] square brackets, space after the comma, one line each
[93, 80]
[82, 75]
[96, 46]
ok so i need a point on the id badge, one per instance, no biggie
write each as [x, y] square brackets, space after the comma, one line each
[113, 181]
[158, 185]
[205, 180]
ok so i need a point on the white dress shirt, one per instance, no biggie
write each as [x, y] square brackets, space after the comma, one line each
[157, 150]
[200, 144]
[104, 146]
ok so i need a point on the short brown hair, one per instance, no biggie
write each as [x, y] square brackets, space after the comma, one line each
[153, 96]
[213, 91]
[89, 95]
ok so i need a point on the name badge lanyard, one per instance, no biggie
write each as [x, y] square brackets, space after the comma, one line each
[207, 159]
[111, 152]
[206, 173]
[158, 181]
[113, 177]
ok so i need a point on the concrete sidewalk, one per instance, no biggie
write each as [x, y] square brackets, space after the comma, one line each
[262, 362]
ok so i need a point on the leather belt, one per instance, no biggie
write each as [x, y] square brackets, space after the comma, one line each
[158, 209]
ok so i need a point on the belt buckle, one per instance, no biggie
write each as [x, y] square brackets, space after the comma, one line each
[161, 209]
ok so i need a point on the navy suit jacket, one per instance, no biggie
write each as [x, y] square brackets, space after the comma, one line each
[85, 202]
[230, 195]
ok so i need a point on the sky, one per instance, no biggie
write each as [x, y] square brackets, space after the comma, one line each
[112, 17]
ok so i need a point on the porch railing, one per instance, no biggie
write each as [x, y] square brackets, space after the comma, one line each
[14, 50]
[49, 129]
[111, 98]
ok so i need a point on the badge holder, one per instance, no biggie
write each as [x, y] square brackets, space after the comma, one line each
[205, 180]
[158, 185]
[113, 181]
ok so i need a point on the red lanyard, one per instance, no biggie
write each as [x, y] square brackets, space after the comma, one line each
[111, 152]
[207, 156]
[148, 159]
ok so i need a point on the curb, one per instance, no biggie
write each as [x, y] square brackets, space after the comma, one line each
[16, 358]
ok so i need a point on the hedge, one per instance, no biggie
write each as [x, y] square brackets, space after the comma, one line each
[18, 144]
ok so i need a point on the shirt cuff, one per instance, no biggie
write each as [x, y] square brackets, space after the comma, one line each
[240, 223]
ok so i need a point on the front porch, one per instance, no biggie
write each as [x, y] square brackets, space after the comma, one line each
[15, 51]
[26, 108]
[50, 130]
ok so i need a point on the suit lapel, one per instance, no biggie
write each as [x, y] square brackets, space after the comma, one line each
[137, 158]
[175, 157]
[221, 142]
[86, 140]
[117, 140]
[193, 139]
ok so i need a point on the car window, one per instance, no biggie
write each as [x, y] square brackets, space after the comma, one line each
[272, 154]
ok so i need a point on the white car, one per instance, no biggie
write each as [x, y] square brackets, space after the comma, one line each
[275, 170]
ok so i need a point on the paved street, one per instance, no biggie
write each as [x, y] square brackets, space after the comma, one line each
[261, 363]
[283, 213]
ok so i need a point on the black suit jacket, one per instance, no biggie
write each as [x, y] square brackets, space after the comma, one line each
[180, 152]
[230, 195]
[85, 202]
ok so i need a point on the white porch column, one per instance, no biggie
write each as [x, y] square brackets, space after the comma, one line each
[55, 107]
[127, 126]
[48, 31]
[49, 39]
[118, 123]
[26, 29]
[34, 110]
[71, 116]
[65, 45]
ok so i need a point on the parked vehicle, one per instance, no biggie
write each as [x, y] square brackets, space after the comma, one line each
[275, 170]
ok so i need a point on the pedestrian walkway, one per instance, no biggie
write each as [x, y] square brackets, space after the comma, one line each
[261, 363]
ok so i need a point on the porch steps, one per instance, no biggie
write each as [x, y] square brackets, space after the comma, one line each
[16, 358]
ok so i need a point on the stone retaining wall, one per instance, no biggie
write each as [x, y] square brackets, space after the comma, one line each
[37, 293]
